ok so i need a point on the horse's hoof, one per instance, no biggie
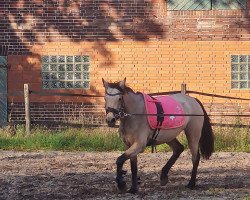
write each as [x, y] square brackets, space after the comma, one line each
[133, 190]
[190, 186]
[139, 180]
[124, 172]
[164, 181]
[122, 186]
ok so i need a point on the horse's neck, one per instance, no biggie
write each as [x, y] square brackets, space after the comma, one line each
[133, 102]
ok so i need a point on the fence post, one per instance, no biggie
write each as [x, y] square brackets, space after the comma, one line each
[183, 88]
[27, 108]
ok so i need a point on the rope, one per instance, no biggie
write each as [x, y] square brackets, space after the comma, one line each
[63, 94]
[19, 93]
[164, 93]
[200, 93]
[216, 95]
[215, 115]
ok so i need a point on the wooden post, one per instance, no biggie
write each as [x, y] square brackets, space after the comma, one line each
[27, 108]
[183, 88]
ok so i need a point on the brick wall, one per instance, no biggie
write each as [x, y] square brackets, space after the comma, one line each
[28, 23]
[155, 49]
[152, 66]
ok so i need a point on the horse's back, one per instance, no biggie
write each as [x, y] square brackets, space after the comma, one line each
[189, 104]
[193, 108]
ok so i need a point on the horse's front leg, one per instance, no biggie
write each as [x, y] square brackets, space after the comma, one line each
[120, 173]
[131, 154]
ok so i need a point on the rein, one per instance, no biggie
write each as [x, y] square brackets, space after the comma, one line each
[161, 115]
[121, 114]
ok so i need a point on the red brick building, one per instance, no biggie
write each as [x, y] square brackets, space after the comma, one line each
[69, 45]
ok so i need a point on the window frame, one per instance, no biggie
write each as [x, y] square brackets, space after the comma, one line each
[211, 5]
[65, 72]
[237, 70]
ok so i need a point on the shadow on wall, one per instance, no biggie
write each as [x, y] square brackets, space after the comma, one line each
[27, 23]
[36, 22]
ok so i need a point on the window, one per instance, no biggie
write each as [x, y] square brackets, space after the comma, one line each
[240, 71]
[65, 72]
[206, 4]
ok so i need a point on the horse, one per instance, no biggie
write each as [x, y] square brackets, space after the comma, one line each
[122, 103]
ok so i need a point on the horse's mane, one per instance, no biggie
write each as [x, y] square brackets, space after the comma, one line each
[118, 87]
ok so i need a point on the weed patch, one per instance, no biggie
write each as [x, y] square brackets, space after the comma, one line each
[105, 139]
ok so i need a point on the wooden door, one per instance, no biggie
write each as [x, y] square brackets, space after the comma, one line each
[3, 90]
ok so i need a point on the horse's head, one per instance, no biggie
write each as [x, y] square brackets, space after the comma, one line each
[113, 100]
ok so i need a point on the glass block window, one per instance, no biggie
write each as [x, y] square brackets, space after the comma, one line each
[206, 4]
[240, 71]
[66, 72]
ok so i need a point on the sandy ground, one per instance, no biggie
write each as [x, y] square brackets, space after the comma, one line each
[81, 175]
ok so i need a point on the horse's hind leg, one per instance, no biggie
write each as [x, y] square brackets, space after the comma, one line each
[177, 148]
[193, 137]
[195, 160]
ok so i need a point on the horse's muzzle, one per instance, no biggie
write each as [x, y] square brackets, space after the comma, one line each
[111, 122]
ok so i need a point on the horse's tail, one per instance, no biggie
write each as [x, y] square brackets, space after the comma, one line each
[207, 136]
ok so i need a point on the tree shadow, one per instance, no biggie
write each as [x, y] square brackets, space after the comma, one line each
[29, 23]
[35, 22]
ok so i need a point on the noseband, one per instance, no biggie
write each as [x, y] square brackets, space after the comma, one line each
[117, 113]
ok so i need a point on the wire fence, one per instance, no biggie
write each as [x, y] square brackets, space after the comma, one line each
[27, 92]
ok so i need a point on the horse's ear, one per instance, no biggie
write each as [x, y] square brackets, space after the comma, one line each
[122, 83]
[105, 83]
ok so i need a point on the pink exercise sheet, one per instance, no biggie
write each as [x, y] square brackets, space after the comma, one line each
[170, 106]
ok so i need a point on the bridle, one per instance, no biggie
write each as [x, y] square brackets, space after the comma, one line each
[118, 113]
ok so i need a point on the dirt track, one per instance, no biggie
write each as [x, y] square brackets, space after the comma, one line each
[80, 175]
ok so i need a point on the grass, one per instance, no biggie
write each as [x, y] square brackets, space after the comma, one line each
[70, 139]
[247, 197]
[233, 139]
[104, 139]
